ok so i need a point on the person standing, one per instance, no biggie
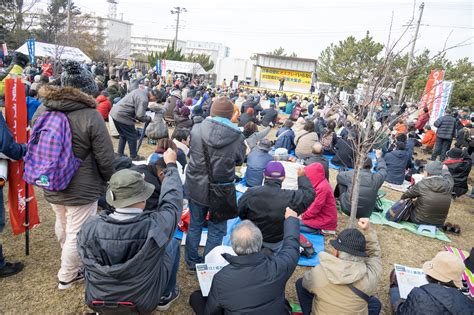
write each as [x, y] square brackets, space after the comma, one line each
[226, 149]
[282, 84]
[9, 149]
[92, 144]
[444, 135]
[130, 108]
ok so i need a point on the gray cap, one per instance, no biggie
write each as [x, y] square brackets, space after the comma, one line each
[127, 187]
[265, 145]
[434, 168]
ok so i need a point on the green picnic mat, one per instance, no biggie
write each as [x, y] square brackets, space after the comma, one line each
[379, 218]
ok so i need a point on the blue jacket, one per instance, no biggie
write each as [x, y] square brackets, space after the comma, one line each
[286, 140]
[397, 162]
[8, 147]
[256, 162]
[32, 104]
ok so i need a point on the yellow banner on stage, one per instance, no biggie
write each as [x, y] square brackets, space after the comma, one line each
[294, 80]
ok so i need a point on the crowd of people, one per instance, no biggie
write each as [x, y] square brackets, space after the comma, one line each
[128, 255]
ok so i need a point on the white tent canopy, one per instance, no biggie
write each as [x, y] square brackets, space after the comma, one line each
[56, 52]
[182, 67]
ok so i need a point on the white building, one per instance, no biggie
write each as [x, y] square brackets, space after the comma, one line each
[144, 45]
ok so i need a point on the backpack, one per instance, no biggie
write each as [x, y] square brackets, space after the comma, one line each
[50, 162]
[400, 210]
[157, 128]
[326, 140]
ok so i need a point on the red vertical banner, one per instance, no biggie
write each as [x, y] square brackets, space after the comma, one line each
[16, 118]
[428, 98]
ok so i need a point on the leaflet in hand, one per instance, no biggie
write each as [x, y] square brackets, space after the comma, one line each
[205, 274]
[408, 278]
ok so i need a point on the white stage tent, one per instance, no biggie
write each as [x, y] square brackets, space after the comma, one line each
[56, 52]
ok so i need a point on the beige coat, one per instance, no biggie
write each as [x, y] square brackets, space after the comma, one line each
[328, 281]
[304, 144]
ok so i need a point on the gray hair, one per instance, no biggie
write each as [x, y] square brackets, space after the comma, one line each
[246, 238]
[349, 257]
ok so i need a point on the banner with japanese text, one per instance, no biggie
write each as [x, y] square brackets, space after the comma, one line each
[441, 102]
[432, 86]
[295, 81]
[18, 191]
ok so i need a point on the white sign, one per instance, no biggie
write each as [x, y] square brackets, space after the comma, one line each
[409, 278]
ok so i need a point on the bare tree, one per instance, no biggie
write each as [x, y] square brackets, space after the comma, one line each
[380, 80]
[116, 48]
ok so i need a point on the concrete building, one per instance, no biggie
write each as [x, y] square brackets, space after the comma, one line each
[144, 45]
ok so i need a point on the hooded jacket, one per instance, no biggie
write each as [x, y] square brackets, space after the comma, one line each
[265, 205]
[226, 149]
[90, 142]
[328, 281]
[433, 199]
[459, 169]
[322, 213]
[397, 162]
[124, 260]
[435, 299]
[255, 284]
[103, 106]
[370, 184]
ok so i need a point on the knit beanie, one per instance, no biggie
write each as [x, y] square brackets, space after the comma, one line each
[77, 77]
[351, 241]
[222, 107]
[434, 168]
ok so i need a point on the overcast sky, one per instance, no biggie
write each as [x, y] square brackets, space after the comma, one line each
[305, 27]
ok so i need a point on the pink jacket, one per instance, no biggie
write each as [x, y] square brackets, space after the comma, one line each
[322, 213]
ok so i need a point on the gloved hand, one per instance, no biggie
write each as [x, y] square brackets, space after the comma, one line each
[20, 59]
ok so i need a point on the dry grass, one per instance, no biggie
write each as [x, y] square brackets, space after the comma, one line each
[35, 289]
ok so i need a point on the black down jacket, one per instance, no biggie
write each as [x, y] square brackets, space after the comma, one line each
[255, 284]
[459, 170]
[436, 299]
[226, 149]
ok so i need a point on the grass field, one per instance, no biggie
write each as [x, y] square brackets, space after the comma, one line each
[34, 291]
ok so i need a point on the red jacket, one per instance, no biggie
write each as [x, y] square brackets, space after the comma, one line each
[422, 120]
[103, 106]
[322, 213]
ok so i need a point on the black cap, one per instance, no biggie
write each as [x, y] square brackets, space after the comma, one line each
[454, 153]
[350, 241]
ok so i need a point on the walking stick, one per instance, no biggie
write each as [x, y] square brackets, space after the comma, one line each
[142, 136]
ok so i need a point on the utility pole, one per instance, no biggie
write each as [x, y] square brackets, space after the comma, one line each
[178, 11]
[410, 57]
[68, 21]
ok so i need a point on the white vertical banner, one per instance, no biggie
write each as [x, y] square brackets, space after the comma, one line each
[442, 98]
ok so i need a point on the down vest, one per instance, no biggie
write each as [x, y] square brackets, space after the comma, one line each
[124, 261]
[459, 170]
[90, 142]
[226, 150]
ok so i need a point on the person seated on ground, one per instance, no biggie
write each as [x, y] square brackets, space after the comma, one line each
[269, 116]
[429, 139]
[298, 127]
[370, 184]
[398, 161]
[104, 106]
[257, 160]
[181, 138]
[400, 127]
[321, 215]
[422, 120]
[459, 164]
[285, 136]
[344, 132]
[442, 294]
[290, 106]
[247, 117]
[265, 205]
[305, 141]
[329, 138]
[153, 174]
[319, 123]
[162, 145]
[253, 282]
[183, 120]
[344, 152]
[130, 255]
[433, 195]
[318, 157]
[249, 103]
[253, 136]
[341, 282]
